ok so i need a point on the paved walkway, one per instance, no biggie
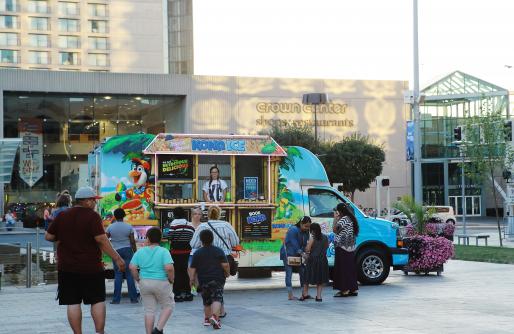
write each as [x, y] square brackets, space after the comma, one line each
[469, 297]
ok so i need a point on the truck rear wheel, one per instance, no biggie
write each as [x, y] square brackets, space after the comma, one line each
[372, 266]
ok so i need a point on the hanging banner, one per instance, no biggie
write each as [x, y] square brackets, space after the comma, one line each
[410, 141]
[31, 152]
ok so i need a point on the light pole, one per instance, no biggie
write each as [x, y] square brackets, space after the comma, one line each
[418, 194]
[462, 144]
[315, 99]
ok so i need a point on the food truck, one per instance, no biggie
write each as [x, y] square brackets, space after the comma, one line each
[269, 188]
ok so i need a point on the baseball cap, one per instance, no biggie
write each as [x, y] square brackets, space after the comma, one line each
[86, 192]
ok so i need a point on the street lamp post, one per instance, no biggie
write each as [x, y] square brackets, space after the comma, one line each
[315, 99]
[462, 144]
[418, 193]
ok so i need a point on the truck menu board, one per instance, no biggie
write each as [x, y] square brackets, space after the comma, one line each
[175, 167]
[255, 223]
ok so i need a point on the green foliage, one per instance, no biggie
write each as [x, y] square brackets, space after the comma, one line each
[486, 149]
[131, 146]
[416, 213]
[484, 254]
[293, 135]
[355, 162]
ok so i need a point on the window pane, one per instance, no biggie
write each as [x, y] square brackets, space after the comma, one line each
[38, 6]
[39, 40]
[69, 42]
[69, 25]
[98, 43]
[97, 26]
[38, 57]
[68, 8]
[9, 56]
[8, 21]
[8, 5]
[39, 23]
[97, 9]
[9, 39]
[68, 58]
[98, 59]
[322, 202]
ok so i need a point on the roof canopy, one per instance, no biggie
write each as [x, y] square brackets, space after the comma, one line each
[169, 143]
[8, 148]
[461, 86]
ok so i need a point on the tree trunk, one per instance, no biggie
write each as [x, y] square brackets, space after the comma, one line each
[496, 210]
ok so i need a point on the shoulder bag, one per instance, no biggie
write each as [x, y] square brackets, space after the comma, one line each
[233, 264]
[293, 261]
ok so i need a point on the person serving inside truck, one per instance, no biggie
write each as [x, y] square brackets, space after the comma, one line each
[215, 189]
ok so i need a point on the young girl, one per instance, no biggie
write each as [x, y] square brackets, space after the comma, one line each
[216, 189]
[316, 272]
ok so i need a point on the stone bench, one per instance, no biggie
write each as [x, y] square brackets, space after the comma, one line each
[465, 238]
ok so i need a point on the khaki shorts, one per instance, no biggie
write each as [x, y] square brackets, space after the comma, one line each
[155, 292]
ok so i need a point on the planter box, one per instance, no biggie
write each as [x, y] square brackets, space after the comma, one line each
[437, 270]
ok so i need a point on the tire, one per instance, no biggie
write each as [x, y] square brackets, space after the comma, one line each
[450, 221]
[372, 266]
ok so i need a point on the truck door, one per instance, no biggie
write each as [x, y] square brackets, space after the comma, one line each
[319, 204]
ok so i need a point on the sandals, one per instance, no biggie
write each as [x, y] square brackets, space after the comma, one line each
[341, 294]
[292, 298]
[353, 293]
[302, 298]
[318, 299]
[223, 315]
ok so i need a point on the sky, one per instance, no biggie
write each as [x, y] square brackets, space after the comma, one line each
[359, 39]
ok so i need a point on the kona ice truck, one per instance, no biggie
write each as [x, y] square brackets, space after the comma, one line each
[269, 189]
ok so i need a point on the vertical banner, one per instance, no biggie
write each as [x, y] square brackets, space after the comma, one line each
[31, 152]
[410, 141]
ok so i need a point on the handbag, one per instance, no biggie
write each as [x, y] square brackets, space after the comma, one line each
[233, 264]
[293, 261]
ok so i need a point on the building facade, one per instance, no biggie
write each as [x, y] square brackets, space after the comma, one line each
[151, 36]
[75, 111]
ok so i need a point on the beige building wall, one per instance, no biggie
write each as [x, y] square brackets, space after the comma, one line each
[115, 35]
[246, 105]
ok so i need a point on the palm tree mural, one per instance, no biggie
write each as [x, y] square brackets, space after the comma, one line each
[287, 210]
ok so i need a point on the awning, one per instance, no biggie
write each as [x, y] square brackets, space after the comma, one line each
[8, 149]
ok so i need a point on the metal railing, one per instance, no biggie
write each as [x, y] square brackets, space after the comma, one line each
[24, 265]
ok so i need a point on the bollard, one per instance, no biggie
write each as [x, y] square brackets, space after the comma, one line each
[37, 254]
[29, 265]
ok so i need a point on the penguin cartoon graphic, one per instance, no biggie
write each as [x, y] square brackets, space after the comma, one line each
[140, 176]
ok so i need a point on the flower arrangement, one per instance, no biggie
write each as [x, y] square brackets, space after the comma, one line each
[430, 243]
[427, 253]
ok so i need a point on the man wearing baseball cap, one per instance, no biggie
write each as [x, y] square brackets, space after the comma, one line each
[81, 238]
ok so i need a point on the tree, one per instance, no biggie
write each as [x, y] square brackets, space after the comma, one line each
[486, 149]
[293, 135]
[355, 162]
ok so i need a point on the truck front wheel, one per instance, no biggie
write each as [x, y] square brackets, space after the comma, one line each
[372, 266]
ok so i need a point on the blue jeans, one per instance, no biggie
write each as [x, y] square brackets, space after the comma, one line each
[289, 275]
[126, 254]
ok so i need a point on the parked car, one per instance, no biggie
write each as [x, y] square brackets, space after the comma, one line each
[399, 217]
[444, 213]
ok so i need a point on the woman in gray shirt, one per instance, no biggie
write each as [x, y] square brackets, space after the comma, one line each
[122, 240]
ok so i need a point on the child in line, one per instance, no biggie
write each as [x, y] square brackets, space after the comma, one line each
[316, 272]
[155, 279]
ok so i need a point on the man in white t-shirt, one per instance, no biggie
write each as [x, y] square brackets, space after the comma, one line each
[215, 189]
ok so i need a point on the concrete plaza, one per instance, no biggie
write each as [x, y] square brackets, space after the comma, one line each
[469, 297]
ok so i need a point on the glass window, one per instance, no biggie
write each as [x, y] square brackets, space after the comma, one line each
[38, 40]
[98, 43]
[68, 8]
[98, 59]
[39, 23]
[39, 57]
[9, 5]
[9, 56]
[322, 202]
[249, 178]
[9, 21]
[97, 9]
[69, 25]
[8, 38]
[38, 6]
[97, 26]
[68, 58]
[69, 42]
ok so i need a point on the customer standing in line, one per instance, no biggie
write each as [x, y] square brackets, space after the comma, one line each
[122, 239]
[155, 279]
[316, 270]
[225, 237]
[211, 268]
[294, 245]
[346, 229]
[181, 232]
[81, 239]
[196, 217]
